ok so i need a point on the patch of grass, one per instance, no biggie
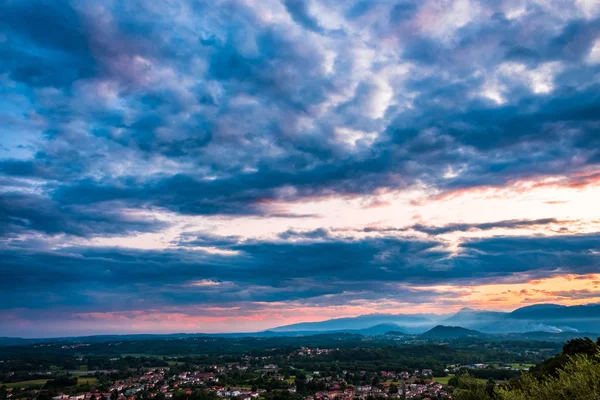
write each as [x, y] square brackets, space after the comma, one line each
[291, 379]
[27, 384]
[443, 379]
[521, 366]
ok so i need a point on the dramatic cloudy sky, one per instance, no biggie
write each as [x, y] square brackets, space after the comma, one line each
[234, 165]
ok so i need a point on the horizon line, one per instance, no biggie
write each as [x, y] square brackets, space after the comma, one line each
[280, 326]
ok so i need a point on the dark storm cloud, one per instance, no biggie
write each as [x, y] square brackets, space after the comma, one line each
[99, 278]
[428, 229]
[464, 227]
[41, 38]
[25, 212]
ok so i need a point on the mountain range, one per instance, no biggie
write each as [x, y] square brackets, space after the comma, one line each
[539, 317]
[411, 323]
[536, 322]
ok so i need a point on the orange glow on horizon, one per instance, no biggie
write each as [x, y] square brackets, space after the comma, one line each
[565, 289]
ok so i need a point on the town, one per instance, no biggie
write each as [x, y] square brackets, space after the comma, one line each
[161, 383]
[246, 378]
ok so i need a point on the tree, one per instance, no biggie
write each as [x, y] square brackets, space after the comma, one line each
[61, 382]
[470, 388]
[393, 389]
[453, 381]
[580, 346]
[552, 366]
[490, 387]
[44, 396]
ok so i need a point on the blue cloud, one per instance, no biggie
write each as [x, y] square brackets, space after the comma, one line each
[142, 87]
[298, 9]
[203, 110]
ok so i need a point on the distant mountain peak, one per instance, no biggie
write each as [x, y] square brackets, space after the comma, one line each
[466, 310]
[449, 332]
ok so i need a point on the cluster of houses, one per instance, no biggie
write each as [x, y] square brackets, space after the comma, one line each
[198, 377]
[407, 391]
[307, 351]
[74, 346]
[83, 396]
[396, 385]
[396, 376]
[457, 367]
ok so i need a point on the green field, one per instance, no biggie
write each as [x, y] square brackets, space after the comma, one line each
[41, 382]
[521, 366]
[443, 379]
[27, 384]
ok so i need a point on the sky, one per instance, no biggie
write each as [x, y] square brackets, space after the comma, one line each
[236, 165]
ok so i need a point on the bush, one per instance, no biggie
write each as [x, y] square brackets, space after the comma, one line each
[578, 380]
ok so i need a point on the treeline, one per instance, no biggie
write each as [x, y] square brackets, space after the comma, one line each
[492, 373]
[401, 358]
[30, 366]
[61, 381]
[355, 353]
[222, 347]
